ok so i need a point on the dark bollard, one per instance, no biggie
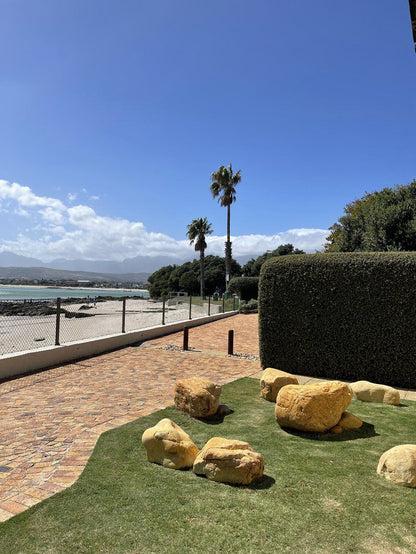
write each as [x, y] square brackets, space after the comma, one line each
[185, 338]
[230, 343]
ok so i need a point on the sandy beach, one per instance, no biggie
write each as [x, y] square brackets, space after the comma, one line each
[18, 333]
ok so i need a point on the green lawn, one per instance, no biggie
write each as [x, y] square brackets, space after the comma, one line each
[319, 493]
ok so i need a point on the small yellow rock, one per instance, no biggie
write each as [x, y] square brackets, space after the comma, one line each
[167, 444]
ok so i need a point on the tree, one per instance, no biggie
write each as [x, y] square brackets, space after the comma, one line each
[159, 281]
[223, 185]
[377, 222]
[253, 266]
[197, 230]
[189, 282]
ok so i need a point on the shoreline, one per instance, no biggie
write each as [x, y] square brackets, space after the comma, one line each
[48, 287]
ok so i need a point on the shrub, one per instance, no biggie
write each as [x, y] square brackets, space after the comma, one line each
[245, 287]
[250, 306]
[344, 316]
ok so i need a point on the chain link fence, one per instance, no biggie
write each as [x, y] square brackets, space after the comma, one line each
[31, 324]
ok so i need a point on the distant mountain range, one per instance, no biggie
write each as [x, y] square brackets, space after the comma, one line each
[139, 264]
[137, 269]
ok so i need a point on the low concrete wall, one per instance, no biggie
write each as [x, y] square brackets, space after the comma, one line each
[42, 358]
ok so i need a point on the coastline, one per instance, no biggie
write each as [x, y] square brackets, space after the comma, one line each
[47, 287]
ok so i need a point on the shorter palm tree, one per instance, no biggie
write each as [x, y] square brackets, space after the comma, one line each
[197, 230]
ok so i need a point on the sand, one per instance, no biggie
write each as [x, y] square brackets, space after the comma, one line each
[18, 333]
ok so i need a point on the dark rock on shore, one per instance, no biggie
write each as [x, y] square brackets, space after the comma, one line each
[35, 309]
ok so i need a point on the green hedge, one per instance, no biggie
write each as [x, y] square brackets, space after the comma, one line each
[345, 316]
[247, 288]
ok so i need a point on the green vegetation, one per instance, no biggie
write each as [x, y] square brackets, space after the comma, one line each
[253, 266]
[185, 277]
[250, 306]
[380, 221]
[344, 316]
[223, 186]
[319, 493]
[197, 230]
[246, 288]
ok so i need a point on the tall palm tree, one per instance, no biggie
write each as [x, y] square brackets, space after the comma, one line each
[223, 185]
[196, 232]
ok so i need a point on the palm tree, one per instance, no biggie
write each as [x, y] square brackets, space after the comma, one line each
[196, 232]
[223, 185]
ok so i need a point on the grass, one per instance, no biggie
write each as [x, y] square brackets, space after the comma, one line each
[319, 493]
[229, 303]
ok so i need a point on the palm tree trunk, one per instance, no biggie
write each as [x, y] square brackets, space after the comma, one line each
[228, 253]
[201, 265]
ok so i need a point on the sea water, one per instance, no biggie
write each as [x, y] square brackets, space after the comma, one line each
[38, 293]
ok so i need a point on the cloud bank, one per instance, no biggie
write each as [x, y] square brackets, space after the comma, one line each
[56, 230]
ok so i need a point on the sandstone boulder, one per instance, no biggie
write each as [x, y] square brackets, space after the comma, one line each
[398, 465]
[272, 380]
[197, 397]
[346, 423]
[167, 444]
[314, 408]
[229, 461]
[373, 392]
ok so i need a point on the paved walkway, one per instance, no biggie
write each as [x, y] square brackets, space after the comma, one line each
[50, 421]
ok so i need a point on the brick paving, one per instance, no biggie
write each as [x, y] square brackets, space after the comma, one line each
[51, 420]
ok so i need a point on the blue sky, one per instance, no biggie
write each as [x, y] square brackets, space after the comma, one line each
[114, 115]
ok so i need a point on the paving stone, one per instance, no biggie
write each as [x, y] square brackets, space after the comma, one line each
[49, 428]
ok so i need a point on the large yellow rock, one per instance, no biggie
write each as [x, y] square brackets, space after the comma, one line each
[398, 465]
[272, 380]
[373, 392]
[314, 408]
[347, 422]
[229, 461]
[167, 444]
[196, 396]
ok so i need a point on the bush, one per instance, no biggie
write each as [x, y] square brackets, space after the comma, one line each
[343, 316]
[250, 306]
[245, 287]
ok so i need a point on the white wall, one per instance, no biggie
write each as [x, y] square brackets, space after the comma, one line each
[42, 358]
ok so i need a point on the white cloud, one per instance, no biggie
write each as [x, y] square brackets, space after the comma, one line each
[26, 198]
[72, 196]
[79, 232]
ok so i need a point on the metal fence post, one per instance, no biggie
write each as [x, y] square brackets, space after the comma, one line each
[234, 303]
[190, 306]
[123, 318]
[209, 305]
[58, 321]
[223, 303]
[163, 311]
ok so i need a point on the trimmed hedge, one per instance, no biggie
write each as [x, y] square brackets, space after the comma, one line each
[247, 288]
[345, 316]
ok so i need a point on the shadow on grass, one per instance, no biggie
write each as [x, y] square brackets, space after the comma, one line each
[217, 418]
[366, 431]
[266, 482]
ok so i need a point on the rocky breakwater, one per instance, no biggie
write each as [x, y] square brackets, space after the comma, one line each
[34, 308]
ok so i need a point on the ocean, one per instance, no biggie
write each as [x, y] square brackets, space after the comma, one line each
[43, 293]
